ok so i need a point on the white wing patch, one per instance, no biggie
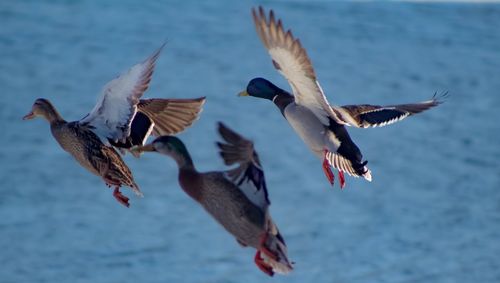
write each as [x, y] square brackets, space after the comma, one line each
[117, 105]
[388, 122]
[367, 115]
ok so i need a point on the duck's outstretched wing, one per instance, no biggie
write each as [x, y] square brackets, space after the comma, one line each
[291, 60]
[171, 116]
[113, 114]
[365, 116]
[248, 176]
[160, 117]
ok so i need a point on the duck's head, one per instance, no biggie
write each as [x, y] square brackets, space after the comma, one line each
[42, 107]
[167, 145]
[261, 88]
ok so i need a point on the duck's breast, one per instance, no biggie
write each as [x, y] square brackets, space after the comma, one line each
[307, 126]
[78, 142]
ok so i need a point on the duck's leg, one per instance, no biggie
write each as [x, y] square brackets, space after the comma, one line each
[341, 179]
[110, 182]
[120, 197]
[262, 265]
[327, 169]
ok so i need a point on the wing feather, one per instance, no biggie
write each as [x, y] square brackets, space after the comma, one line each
[291, 61]
[248, 176]
[117, 105]
[366, 115]
[171, 116]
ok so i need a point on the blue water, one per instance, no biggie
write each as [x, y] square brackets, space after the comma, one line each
[431, 214]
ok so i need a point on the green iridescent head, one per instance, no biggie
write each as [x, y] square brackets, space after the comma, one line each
[261, 88]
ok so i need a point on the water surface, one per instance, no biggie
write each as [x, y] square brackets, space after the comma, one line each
[431, 213]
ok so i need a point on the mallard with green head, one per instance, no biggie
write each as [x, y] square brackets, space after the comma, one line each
[120, 119]
[319, 125]
[237, 198]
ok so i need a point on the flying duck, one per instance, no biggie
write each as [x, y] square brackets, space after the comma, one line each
[121, 119]
[320, 125]
[236, 198]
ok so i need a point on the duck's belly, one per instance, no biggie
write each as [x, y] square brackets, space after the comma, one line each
[230, 207]
[307, 126]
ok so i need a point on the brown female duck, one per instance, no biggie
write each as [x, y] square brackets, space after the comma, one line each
[236, 198]
[119, 119]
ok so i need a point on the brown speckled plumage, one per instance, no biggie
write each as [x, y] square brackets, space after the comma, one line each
[91, 153]
[86, 147]
[120, 119]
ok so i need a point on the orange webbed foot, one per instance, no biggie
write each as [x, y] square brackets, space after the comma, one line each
[327, 169]
[120, 197]
[262, 265]
[341, 180]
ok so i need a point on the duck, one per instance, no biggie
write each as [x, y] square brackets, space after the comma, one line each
[236, 198]
[119, 121]
[320, 125]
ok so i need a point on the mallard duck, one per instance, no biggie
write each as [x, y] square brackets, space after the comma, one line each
[158, 117]
[237, 198]
[120, 119]
[320, 126]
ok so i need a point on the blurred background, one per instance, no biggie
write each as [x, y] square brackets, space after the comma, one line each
[431, 214]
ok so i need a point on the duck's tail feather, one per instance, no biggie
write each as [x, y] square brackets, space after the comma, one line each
[272, 255]
[343, 164]
[136, 190]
